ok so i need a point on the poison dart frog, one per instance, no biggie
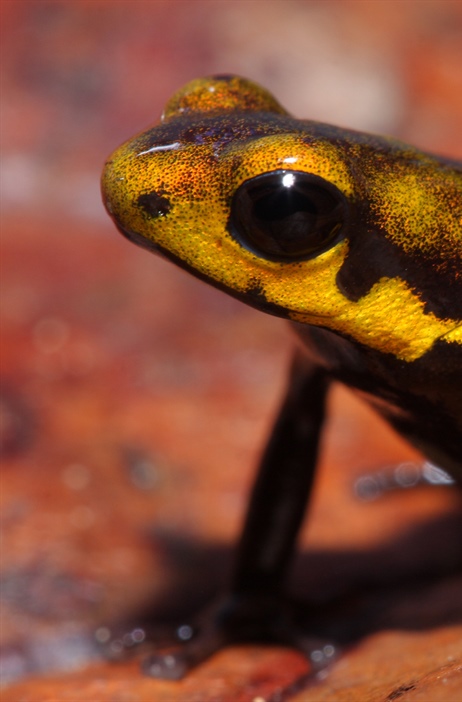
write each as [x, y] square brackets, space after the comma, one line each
[357, 241]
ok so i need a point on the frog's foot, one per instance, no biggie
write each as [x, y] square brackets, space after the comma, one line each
[237, 619]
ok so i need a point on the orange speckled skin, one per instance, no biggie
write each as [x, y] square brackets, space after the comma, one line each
[381, 308]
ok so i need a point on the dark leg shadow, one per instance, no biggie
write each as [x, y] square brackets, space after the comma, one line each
[413, 583]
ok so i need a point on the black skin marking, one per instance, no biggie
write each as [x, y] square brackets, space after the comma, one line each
[372, 255]
[154, 204]
[258, 297]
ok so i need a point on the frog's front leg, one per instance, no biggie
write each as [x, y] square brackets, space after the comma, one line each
[255, 608]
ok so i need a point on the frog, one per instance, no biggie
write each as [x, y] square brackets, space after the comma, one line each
[353, 238]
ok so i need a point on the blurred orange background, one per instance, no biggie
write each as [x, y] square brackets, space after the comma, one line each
[134, 397]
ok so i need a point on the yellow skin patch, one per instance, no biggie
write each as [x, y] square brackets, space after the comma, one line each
[416, 205]
[199, 179]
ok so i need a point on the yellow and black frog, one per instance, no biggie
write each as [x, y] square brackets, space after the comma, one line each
[357, 240]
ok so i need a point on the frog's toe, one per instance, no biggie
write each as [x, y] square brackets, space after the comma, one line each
[194, 645]
[239, 619]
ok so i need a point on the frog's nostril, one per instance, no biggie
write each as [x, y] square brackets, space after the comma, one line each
[154, 204]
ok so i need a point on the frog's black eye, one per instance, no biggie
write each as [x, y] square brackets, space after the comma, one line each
[287, 215]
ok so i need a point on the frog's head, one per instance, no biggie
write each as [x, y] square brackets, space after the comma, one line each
[227, 186]
[292, 217]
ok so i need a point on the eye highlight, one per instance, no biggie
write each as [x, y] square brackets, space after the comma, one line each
[287, 215]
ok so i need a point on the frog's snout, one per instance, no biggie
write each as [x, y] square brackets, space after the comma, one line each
[117, 197]
[108, 191]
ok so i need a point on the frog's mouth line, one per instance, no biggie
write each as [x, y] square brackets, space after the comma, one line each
[254, 296]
